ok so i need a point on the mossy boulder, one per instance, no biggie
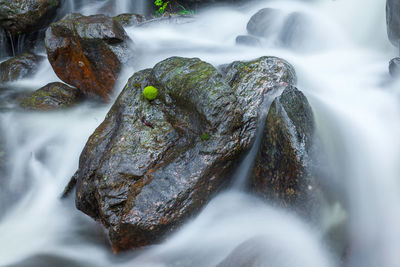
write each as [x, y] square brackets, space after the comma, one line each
[25, 16]
[88, 52]
[150, 165]
[19, 67]
[145, 169]
[53, 96]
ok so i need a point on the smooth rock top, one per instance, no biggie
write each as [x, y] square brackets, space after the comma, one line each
[24, 16]
[264, 22]
[88, 52]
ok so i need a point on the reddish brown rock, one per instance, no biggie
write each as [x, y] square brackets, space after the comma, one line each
[88, 52]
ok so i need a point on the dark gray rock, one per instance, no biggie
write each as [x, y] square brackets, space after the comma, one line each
[53, 96]
[393, 21]
[18, 67]
[247, 40]
[25, 16]
[149, 166]
[282, 171]
[88, 52]
[146, 169]
[264, 22]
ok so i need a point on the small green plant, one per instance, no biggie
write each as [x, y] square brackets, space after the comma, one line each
[205, 137]
[185, 11]
[162, 5]
[150, 93]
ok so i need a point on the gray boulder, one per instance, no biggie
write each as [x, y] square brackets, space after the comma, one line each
[393, 21]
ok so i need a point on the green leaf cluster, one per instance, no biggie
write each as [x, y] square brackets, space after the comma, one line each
[162, 5]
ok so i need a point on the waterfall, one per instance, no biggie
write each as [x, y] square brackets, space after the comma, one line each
[341, 68]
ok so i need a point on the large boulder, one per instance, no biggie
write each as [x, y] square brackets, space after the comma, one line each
[283, 165]
[88, 52]
[152, 164]
[25, 16]
[149, 165]
[52, 96]
[393, 21]
[18, 67]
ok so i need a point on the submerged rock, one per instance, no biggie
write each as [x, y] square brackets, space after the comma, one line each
[264, 22]
[19, 67]
[129, 19]
[282, 171]
[51, 97]
[393, 21]
[88, 52]
[25, 16]
[394, 67]
[247, 40]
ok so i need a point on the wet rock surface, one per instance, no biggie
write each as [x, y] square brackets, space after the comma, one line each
[51, 97]
[148, 166]
[282, 170]
[91, 48]
[128, 19]
[25, 16]
[145, 168]
[18, 67]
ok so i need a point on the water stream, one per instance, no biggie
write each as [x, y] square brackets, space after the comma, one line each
[341, 60]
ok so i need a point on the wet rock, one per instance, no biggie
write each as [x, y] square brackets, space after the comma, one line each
[127, 20]
[145, 169]
[393, 21]
[264, 22]
[88, 52]
[253, 82]
[173, 19]
[25, 16]
[152, 164]
[394, 67]
[247, 40]
[282, 171]
[51, 97]
[19, 67]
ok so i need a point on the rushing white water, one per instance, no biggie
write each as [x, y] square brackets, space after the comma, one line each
[341, 61]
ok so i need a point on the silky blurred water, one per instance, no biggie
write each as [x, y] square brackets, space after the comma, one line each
[341, 61]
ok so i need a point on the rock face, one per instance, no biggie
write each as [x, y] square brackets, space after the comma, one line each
[152, 164]
[393, 21]
[18, 67]
[51, 97]
[24, 16]
[282, 166]
[92, 49]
